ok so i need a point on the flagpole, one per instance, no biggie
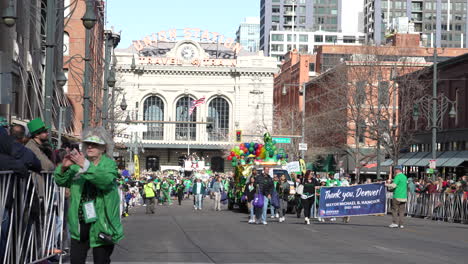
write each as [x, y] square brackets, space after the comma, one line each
[188, 134]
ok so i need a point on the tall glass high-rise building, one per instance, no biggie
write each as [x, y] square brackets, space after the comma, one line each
[248, 34]
[443, 23]
[308, 15]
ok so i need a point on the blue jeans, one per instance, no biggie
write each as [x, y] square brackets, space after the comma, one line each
[198, 201]
[265, 208]
[272, 210]
[251, 211]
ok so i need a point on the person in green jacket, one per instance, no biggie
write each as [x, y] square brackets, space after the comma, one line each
[94, 213]
[400, 196]
[165, 187]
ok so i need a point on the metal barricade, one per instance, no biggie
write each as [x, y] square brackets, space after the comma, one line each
[32, 216]
[449, 207]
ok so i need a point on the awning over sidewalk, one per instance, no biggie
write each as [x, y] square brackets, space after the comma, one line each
[421, 159]
[414, 159]
[456, 160]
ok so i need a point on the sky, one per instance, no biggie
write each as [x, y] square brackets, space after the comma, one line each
[139, 18]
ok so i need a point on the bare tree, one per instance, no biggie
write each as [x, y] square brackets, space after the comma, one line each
[288, 121]
[357, 107]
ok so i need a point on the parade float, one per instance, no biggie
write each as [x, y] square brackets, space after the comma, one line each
[247, 157]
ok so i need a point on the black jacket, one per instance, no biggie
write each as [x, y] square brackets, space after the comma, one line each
[250, 194]
[265, 184]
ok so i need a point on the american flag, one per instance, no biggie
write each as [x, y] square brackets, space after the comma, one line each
[195, 104]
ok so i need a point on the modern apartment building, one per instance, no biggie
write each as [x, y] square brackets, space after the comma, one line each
[443, 23]
[281, 42]
[308, 15]
[248, 34]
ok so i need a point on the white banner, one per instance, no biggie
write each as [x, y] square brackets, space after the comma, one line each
[293, 167]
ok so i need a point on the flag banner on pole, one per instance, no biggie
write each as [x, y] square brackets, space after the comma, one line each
[364, 199]
[195, 103]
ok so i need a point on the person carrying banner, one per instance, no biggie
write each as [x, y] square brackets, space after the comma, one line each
[345, 183]
[400, 196]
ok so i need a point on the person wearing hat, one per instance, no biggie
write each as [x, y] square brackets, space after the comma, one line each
[400, 196]
[94, 212]
[39, 137]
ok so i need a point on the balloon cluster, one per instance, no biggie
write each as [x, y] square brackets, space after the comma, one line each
[266, 152]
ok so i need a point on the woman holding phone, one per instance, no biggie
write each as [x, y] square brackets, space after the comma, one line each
[94, 213]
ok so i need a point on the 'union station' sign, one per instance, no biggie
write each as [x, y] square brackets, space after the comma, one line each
[187, 33]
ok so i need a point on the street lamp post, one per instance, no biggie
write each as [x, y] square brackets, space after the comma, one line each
[111, 42]
[89, 20]
[50, 61]
[430, 111]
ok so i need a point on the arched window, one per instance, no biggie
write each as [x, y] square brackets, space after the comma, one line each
[153, 110]
[218, 113]
[66, 44]
[185, 131]
[217, 164]
[152, 163]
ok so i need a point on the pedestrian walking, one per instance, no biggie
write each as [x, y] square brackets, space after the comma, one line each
[94, 215]
[150, 194]
[400, 196]
[344, 181]
[273, 212]
[180, 188]
[217, 190]
[308, 194]
[265, 188]
[283, 192]
[249, 192]
[198, 192]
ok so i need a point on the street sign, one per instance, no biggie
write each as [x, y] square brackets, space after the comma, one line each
[432, 164]
[302, 146]
[282, 140]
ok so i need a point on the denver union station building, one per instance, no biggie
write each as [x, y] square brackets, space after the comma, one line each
[160, 77]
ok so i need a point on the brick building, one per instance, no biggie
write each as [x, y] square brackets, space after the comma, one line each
[74, 53]
[342, 102]
[452, 133]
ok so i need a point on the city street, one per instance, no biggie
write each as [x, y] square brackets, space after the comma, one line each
[180, 234]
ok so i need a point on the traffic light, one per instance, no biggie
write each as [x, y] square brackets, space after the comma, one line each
[239, 136]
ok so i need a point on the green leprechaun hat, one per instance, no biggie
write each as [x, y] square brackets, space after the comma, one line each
[36, 126]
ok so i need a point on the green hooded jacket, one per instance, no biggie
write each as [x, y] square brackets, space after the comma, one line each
[107, 203]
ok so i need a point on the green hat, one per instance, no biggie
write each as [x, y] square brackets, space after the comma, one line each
[3, 121]
[94, 139]
[36, 126]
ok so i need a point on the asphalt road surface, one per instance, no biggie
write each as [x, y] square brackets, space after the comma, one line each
[178, 234]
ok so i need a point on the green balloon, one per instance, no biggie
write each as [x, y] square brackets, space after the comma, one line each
[251, 149]
[234, 158]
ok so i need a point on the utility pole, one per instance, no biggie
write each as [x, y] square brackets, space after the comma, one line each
[50, 61]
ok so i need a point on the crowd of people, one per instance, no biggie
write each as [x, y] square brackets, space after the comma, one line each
[96, 188]
[89, 175]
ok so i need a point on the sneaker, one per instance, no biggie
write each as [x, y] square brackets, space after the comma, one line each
[272, 217]
[393, 225]
[284, 219]
[277, 215]
[264, 223]
[402, 226]
[307, 221]
[144, 205]
[333, 219]
[251, 221]
[280, 219]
